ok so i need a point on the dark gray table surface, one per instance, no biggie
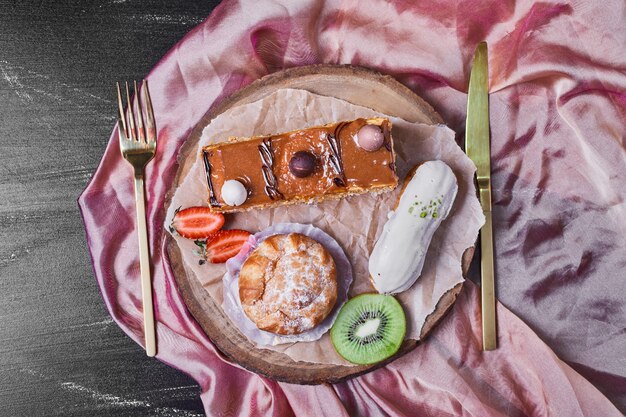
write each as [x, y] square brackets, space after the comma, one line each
[60, 352]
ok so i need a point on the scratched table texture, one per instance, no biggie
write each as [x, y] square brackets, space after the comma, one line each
[60, 352]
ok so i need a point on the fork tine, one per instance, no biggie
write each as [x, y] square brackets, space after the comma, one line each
[120, 109]
[131, 115]
[138, 105]
[150, 124]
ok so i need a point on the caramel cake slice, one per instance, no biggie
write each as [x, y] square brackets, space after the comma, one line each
[301, 166]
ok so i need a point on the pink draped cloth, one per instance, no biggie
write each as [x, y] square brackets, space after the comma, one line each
[558, 113]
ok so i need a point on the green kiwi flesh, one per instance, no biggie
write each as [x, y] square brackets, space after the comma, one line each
[369, 328]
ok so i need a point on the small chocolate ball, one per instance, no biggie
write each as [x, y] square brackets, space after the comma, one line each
[302, 164]
[370, 138]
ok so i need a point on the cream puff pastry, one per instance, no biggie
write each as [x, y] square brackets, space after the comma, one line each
[399, 254]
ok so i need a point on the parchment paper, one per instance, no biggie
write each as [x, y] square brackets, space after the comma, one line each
[356, 221]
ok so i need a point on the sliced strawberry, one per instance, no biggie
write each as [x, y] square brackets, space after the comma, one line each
[197, 222]
[224, 245]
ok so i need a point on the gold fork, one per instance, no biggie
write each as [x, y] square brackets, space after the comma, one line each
[138, 145]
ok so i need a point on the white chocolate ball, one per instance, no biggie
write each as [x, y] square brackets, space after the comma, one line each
[370, 137]
[234, 193]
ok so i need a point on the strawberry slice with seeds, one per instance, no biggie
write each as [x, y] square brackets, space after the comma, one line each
[224, 245]
[197, 222]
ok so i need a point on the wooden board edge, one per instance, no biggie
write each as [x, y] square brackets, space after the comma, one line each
[310, 70]
[291, 372]
[346, 70]
[322, 373]
[233, 352]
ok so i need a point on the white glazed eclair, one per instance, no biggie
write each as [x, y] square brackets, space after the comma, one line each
[398, 256]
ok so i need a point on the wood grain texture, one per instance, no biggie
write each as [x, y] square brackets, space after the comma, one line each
[358, 86]
[60, 352]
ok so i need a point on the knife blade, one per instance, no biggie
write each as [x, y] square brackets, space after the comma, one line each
[477, 147]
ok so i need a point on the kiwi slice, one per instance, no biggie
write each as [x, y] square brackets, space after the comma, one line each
[369, 328]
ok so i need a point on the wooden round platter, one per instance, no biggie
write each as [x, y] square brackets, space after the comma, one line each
[358, 86]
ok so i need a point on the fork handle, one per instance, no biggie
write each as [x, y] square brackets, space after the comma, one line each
[144, 265]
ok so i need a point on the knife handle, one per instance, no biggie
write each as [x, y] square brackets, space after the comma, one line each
[487, 286]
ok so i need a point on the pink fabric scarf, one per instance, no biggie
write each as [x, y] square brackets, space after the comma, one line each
[558, 112]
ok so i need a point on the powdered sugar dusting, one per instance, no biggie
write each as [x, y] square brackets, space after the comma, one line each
[290, 293]
[294, 279]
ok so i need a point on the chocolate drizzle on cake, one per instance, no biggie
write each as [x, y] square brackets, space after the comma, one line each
[302, 166]
[267, 157]
[335, 155]
[207, 167]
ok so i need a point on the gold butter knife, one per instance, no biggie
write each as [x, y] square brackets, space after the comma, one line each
[478, 149]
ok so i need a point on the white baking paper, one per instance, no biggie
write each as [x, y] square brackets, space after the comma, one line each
[354, 222]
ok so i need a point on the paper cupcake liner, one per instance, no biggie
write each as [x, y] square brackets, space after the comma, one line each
[232, 303]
